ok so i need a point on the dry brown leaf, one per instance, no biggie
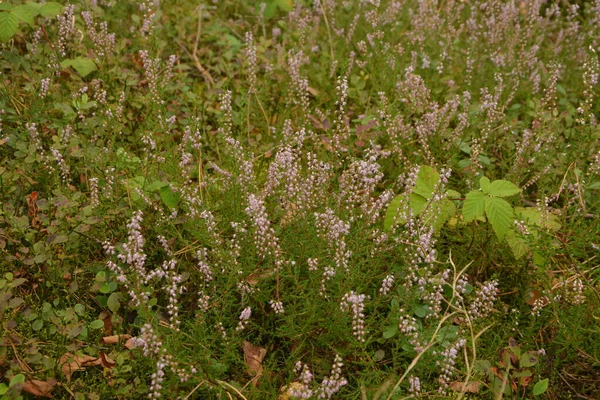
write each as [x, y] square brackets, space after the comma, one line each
[130, 343]
[40, 388]
[470, 387]
[71, 363]
[253, 357]
[107, 362]
[115, 339]
[525, 380]
[256, 277]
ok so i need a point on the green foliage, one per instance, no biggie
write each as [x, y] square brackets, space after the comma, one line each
[148, 202]
[11, 16]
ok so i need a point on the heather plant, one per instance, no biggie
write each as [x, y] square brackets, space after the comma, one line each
[299, 199]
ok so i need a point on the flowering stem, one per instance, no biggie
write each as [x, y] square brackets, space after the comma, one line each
[418, 357]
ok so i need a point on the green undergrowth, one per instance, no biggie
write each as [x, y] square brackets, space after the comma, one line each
[298, 199]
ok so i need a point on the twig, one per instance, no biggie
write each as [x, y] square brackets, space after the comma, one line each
[199, 66]
[223, 383]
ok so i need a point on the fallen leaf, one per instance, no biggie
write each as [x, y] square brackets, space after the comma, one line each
[525, 380]
[131, 343]
[469, 387]
[106, 361]
[255, 277]
[253, 357]
[115, 339]
[70, 363]
[40, 388]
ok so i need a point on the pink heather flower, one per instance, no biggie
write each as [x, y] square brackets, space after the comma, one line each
[386, 285]
[277, 306]
[355, 303]
[334, 382]
[447, 364]
[414, 385]
[244, 318]
[483, 303]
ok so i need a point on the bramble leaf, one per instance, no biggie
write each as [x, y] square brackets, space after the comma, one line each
[391, 212]
[427, 178]
[502, 188]
[484, 184]
[500, 214]
[83, 65]
[9, 24]
[23, 13]
[474, 205]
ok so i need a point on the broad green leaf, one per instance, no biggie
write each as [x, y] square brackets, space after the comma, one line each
[417, 203]
[105, 288]
[24, 14]
[447, 211]
[502, 188]
[452, 194]
[517, 245]
[169, 197]
[390, 331]
[9, 24]
[285, 5]
[6, 6]
[421, 310]
[529, 359]
[113, 302]
[484, 183]
[392, 211]
[3, 388]
[532, 215]
[50, 9]
[540, 387]
[19, 378]
[474, 205]
[427, 178]
[83, 65]
[97, 324]
[37, 325]
[500, 215]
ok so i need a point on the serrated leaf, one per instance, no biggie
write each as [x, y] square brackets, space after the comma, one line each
[540, 387]
[452, 194]
[83, 65]
[532, 215]
[392, 211]
[169, 197]
[50, 9]
[113, 302]
[9, 24]
[500, 214]
[427, 179]
[502, 188]
[417, 203]
[474, 205]
[447, 211]
[484, 184]
[24, 14]
[517, 245]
